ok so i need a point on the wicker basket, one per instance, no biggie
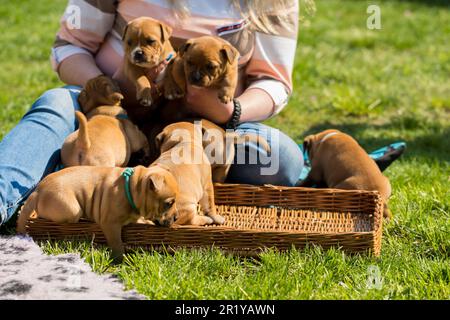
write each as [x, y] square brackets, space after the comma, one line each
[256, 218]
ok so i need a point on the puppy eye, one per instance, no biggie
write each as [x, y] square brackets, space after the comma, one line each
[211, 67]
[169, 203]
[129, 42]
[150, 41]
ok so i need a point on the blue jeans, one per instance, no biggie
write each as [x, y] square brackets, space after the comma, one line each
[32, 150]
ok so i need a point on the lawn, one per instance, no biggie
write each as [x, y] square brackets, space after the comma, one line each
[378, 85]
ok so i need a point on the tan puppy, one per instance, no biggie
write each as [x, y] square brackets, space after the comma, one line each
[219, 146]
[106, 137]
[339, 161]
[147, 45]
[98, 194]
[182, 154]
[99, 91]
[206, 61]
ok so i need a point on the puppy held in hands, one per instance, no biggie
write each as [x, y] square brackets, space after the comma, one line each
[182, 155]
[99, 194]
[147, 46]
[209, 62]
[338, 160]
[105, 138]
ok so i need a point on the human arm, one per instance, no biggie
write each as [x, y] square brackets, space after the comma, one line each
[78, 69]
[256, 105]
[268, 75]
[75, 45]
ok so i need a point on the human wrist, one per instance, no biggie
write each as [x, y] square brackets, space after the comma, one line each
[235, 118]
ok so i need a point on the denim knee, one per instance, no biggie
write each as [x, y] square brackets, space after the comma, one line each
[281, 167]
[59, 102]
[291, 161]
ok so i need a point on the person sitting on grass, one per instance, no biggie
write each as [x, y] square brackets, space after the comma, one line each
[263, 31]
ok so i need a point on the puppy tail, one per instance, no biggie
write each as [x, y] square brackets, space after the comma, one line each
[250, 137]
[387, 212]
[83, 141]
[28, 210]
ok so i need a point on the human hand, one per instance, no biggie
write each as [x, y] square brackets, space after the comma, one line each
[205, 103]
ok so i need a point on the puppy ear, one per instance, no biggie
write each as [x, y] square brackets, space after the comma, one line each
[160, 139]
[156, 182]
[184, 48]
[113, 93]
[124, 33]
[307, 144]
[116, 98]
[83, 99]
[229, 53]
[166, 32]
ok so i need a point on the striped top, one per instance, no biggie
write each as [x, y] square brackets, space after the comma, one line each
[94, 27]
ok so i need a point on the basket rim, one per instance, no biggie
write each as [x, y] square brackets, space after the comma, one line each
[283, 188]
[208, 229]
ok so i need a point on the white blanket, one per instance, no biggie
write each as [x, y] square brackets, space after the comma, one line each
[27, 273]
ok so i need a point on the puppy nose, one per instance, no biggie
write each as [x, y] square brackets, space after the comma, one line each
[168, 222]
[165, 222]
[196, 76]
[139, 55]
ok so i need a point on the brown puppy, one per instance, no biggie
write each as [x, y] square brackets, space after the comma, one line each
[339, 161]
[99, 194]
[219, 146]
[106, 137]
[99, 91]
[147, 45]
[182, 154]
[207, 61]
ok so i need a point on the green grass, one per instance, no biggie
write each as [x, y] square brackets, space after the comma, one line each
[378, 85]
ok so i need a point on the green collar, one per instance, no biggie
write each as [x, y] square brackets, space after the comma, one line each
[122, 116]
[127, 173]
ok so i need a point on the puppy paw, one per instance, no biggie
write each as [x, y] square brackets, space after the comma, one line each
[218, 219]
[172, 93]
[142, 220]
[225, 97]
[145, 97]
[199, 220]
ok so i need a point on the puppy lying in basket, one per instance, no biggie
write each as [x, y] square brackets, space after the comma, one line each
[339, 161]
[112, 197]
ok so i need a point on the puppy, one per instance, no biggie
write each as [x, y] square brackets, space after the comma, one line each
[182, 154]
[147, 46]
[99, 194]
[207, 61]
[339, 161]
[219, 146]
[99, 91]
[106, 137]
